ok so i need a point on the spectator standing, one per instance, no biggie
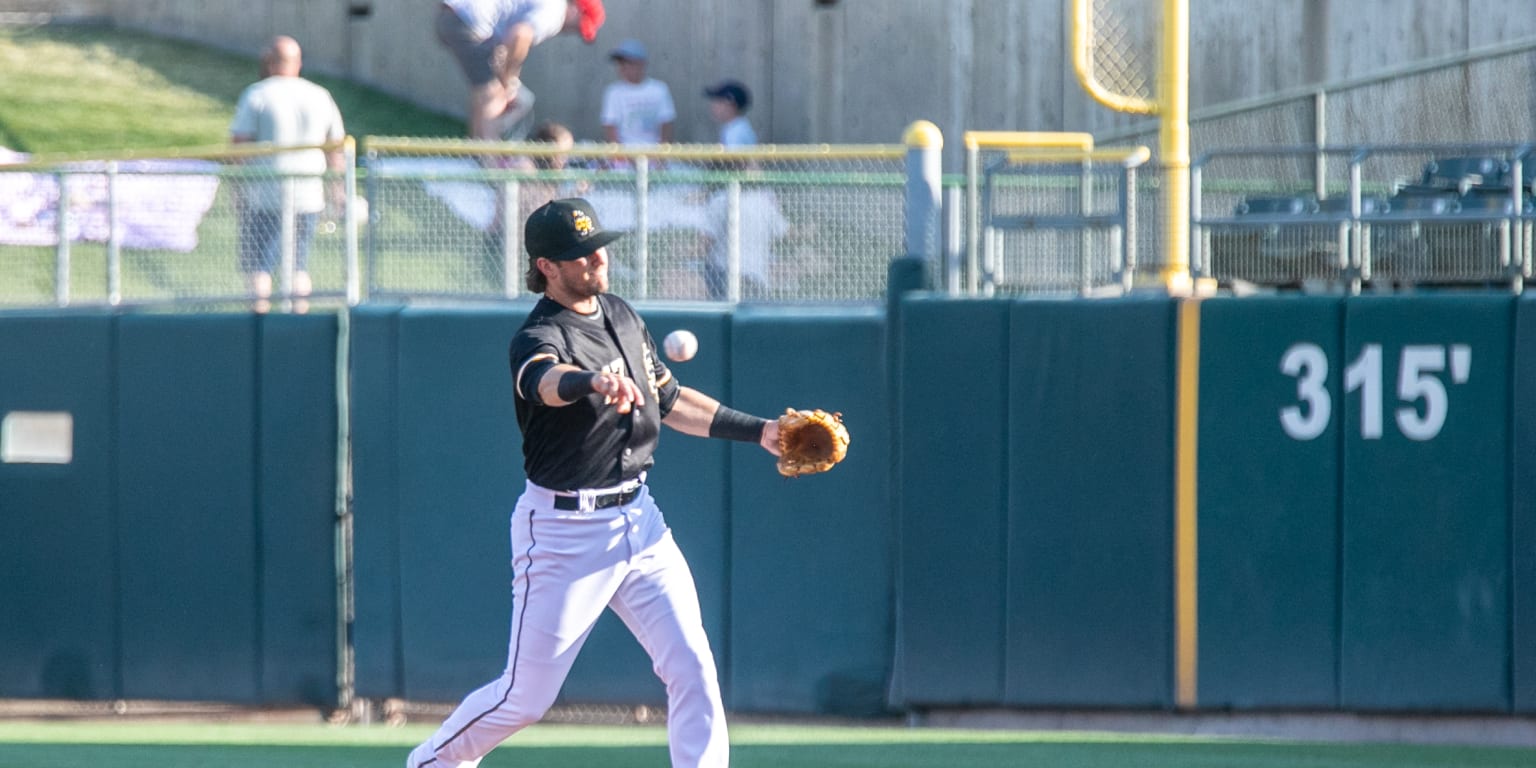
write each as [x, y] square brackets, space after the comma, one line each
[760, 222]
[637, 109]
[285, 109]
[728, 104]
[491, 39]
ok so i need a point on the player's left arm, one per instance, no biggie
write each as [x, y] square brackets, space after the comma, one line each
[695, 413]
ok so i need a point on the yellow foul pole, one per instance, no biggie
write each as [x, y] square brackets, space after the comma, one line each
[1173, 98]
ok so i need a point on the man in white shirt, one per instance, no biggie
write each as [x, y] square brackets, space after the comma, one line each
[286, 109]
[637, 110]
[491, 39]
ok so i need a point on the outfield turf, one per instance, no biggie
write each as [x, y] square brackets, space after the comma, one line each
[141, 744]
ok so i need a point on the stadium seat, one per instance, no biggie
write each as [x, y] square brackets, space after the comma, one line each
[1277, 206]
[1463, 173]
[1369, 205]
[1419, 202]
[1492, 200]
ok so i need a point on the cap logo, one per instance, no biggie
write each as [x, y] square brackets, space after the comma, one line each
[583, 224]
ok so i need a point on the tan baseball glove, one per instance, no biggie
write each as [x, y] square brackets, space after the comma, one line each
[810, 442]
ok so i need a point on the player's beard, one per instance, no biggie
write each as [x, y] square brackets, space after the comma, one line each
[586, 284]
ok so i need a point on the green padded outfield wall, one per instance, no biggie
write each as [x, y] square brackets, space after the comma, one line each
[186, 481]
[458, 477]
[1089, 502]
[225, 427]
[1426, 513]
[1269, 475]
[191, 535]
[951, 573]
[810, 557]
[1523, 530]
[379, 667]
[296, 507]
[58, 587]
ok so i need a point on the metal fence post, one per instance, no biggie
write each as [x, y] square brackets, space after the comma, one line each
[733, 241]
[349, 220]
[1197, 265]
[61, 255]
[642, 223]
[953, 245]
[1085, 236]
[371, 183]
[925, 145]
[114, 239]
[1360, 241]
[972, 216]
[287, 230]
[1516, 222]
[1127, 247]
[510, 201]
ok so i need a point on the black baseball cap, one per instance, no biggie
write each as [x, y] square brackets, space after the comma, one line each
[732, 91]
[564, 230]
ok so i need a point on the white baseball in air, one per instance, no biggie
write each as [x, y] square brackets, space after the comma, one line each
[680, 346]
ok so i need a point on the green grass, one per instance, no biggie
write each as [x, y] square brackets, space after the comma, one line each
[93, 88]
[127, 744]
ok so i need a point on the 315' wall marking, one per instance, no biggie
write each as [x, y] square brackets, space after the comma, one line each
[1419, 387]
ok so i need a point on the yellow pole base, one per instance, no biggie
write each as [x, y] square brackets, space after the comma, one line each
[1178, 282]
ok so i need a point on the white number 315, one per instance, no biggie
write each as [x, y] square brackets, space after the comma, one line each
[1418, 379]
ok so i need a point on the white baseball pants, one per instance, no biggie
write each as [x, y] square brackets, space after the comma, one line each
[567, 566]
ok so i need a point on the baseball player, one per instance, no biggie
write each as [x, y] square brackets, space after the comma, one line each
[591, 394]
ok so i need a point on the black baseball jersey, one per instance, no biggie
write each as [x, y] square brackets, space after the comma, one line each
[588, 444]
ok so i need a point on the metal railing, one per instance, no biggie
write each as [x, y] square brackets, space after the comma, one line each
[1383, 217]
[1049, 214]
[772, 224]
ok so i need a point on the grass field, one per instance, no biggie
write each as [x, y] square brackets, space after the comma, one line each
[92, 88]
[138, 744]
[97, 89]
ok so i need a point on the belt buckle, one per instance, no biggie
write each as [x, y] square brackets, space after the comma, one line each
[586, 501]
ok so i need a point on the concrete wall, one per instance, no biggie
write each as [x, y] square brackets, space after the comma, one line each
[859, 71]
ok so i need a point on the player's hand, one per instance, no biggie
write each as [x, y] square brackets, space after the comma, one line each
[619, 391]
[770, 438]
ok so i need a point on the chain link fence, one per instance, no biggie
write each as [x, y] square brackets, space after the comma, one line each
[1052, 220]
[777, 223]
[1122, 50]
[187, 227]
[771, 224]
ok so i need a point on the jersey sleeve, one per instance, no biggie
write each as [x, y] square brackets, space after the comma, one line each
[533, 351]
[666, 384]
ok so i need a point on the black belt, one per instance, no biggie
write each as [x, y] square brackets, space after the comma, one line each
[601, 501]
